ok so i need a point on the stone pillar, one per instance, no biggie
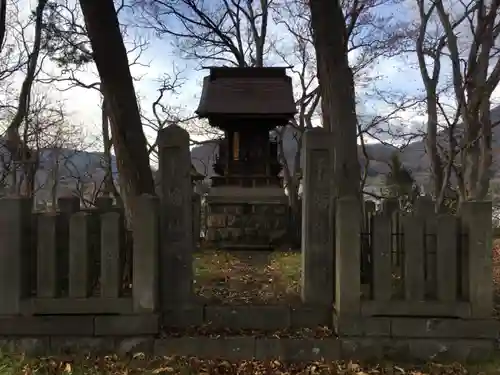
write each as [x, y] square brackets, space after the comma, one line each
[15, 261]
[317, 218]
[196, 220]
[145, 262]
[389, 206]
[68, 205]
[477, 221]
[104, 203]
[176, 218]
[347, 262]
[424, 206]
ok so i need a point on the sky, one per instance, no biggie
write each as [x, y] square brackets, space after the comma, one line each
[160, 58]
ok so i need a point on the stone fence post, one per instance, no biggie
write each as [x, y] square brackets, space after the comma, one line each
[145, 229]
[348, 259]
[196, 219]
[104, 203]
[68, 205]
[15, 226]
[477, 221]
[176, 217]
[317, 218]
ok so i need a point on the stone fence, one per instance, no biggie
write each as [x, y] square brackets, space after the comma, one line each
[73, 262]
[385, 282]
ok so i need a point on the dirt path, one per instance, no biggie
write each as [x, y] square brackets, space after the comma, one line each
[247, 277]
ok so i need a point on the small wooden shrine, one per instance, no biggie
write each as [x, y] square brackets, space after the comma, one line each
[247, 206]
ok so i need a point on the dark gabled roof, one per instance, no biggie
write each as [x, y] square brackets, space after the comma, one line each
[247, 91]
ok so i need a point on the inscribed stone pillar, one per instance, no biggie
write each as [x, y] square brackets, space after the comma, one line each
[176, 218]
[317, 218]
[477, 220]
[196, 219]
[145, 256]
[15, 226]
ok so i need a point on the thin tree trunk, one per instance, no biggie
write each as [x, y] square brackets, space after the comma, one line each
[337, 92]
[3, 21]
[129, 141]
[109, 186]
[18, 148]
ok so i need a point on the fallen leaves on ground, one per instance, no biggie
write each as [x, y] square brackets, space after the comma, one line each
[244, 277]
[139, 364]
[209, 331]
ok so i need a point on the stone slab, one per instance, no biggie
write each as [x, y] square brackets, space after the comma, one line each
[82, 345]
[231, 348]
[265, 318]
[311, 316]
[416, 308]
[362, 326]
[445, 328]
[47, 325]
[446, 350]
[248, 347]
[130, 346]
[76, 306]
[183, 317]
[362, 348]
[138, 325]
[297, 349]
[31, 346]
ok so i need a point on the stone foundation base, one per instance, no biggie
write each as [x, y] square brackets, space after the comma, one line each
[261, 348]
[243, 218]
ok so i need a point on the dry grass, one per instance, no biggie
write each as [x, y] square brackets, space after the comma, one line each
[247, 276]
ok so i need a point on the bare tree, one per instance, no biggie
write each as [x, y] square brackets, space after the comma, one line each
[107, 50]
[463, 38]
[110, 57]
[19, 151]
[233, 32]
[69, 47]
[370, 37]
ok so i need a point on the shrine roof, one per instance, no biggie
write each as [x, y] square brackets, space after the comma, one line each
[247, 91]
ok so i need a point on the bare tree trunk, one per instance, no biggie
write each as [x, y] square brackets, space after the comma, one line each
[17, 148]
[337, 91]
[129, 141]
[109, 186]
[3, 20]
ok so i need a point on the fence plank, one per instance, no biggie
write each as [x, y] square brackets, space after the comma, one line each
[111, 259]
[382, 272]
[413, 230]
[47, 255]
[146, 234]
[446, 258]
[79, 267]
[15, 219]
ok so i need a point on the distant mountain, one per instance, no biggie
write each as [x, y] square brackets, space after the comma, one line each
[87, 167]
